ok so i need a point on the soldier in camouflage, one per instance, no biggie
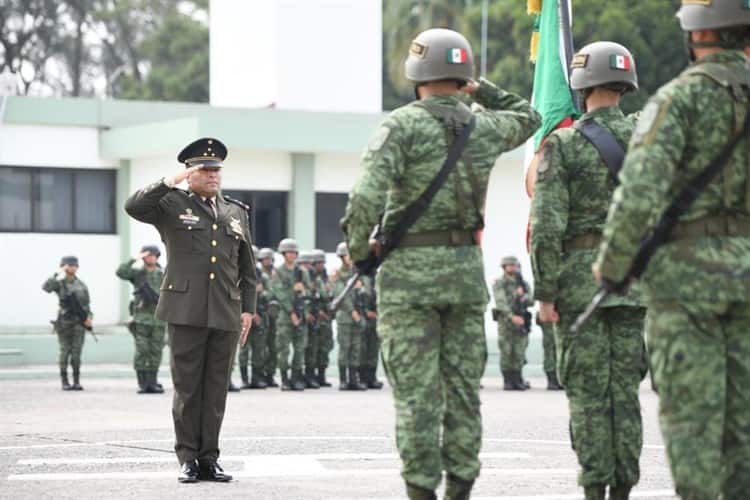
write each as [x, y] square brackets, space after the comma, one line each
[289, 286]
[548, 345]
[265, 259]
[325, 332]
[255, 350]
[348, 326]
[431, 291]
[313, 302]
[512, 300]
[148, 332]
[697, 285]
[370, 342]
[69, 325]
[602, 365]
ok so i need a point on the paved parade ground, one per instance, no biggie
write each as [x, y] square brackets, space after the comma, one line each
[109, 442]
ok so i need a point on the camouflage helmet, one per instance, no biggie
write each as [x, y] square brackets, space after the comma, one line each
[439, 54]
[696, 15]
[509, 261]
[152, 249]
[304, 257]
[264, 253]
[318, 256]
[288, 245]
[342, 250]
[602, 63]
[69, 260]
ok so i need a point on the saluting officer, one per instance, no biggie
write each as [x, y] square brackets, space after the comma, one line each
[207, 297]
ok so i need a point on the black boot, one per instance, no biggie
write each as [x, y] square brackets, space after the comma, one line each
[552, 383]
[77, 379]
[151, 387]
[524, 383]
[343, 382]
[322, 382]
[419, 493]
[285, 385]
[621, 492]
[517, 380]
[310, 379]
[457, 488]
[508, 384]
[354, 383]
[156, 381]
[139, 376]
[256, 381]
[64, 379]
[270, 381]
[372, 381]
[594, 492]
[243, 376]
[298, 383]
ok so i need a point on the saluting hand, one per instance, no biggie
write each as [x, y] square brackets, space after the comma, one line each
[182, 175]
[247, 320]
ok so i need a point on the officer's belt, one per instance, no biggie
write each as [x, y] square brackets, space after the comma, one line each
[454, 238]
[712, 225]
[587, 241]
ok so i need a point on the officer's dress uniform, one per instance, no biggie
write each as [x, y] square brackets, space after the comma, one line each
[209, 281]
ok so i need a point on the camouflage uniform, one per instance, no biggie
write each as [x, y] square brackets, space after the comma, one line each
[348, 332]
[326, 331]
[255, 350]
[148, 332]
[70, 332]
[697, 285]
[548, 345]
[602, 365]
[282, 287]
[512, 340]
[370, 341]
[318, 302]
[431, 299]
[271, 359]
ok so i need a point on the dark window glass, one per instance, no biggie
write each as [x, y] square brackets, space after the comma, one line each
[269, 215]
[57, 200]
[15, 199]
[329, 209]
[95, 201]
[53, 205]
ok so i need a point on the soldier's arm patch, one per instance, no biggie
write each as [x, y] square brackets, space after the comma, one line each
[379, 138]
[648, 121]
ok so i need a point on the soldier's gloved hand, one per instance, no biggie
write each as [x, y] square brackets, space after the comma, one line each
[247, 320]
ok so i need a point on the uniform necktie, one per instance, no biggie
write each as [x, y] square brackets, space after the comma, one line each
[211, 205]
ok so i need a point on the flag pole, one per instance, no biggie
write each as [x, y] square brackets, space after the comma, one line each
[567, 37]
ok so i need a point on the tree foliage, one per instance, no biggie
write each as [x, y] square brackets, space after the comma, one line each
[649, 30]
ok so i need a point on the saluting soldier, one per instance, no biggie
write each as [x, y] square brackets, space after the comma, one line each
[73, 318]
[148, 332]
[207, 298]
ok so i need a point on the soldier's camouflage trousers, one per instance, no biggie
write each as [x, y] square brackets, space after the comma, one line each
[601, 367]
[70, 337]
[512, 346]
[370, 345]
[255, 350]
[548, 343]
[434, 358]
[326, 344]
[700, 357]
[149, 341]
[269, 366]
[312, 349]
[287, 335]
[349, 336]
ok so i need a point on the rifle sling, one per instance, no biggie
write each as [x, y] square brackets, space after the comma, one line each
[611, 152]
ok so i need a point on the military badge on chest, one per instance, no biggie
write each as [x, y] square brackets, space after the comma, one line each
[235, 225]
[189, 218]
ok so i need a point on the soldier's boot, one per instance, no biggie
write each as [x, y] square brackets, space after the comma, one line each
[270, 381]
[64, 379]
[285, 385]
[343, 382]
[508, 384]
[594, 492]
[243, 376]
[77, 379]
[621, 492]
[517, 381]
[457, 488]
[141, 386]
[152, 387]
[310, 379]
[372, 380]
[256, 380]
[298, 383]
[552, 383]
[322, 382]
[156, 381]
[522, 381]
[354, 383]
[418, 493]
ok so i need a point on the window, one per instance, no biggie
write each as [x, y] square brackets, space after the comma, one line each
[57, 200]
[269, 215]
[329, 209]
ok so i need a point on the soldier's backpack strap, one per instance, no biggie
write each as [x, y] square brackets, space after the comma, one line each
[611, 152]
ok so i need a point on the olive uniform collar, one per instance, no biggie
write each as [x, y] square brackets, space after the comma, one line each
[725, 56]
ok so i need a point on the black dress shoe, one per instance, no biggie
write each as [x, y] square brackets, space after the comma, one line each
[211, 471]
[189, 472]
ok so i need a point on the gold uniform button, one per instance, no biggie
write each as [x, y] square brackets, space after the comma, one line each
[190, 228]
[213, 243]
[170, 287]
[211, 276]
[215, 227]
[213, 259]
[236, 237]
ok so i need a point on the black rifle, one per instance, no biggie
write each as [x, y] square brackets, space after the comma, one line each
[660, 233]
[315, 302]
[298, 306]
[360, 305]
[521, 304]
[389, 242]
[74, 310]
[149, 297]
